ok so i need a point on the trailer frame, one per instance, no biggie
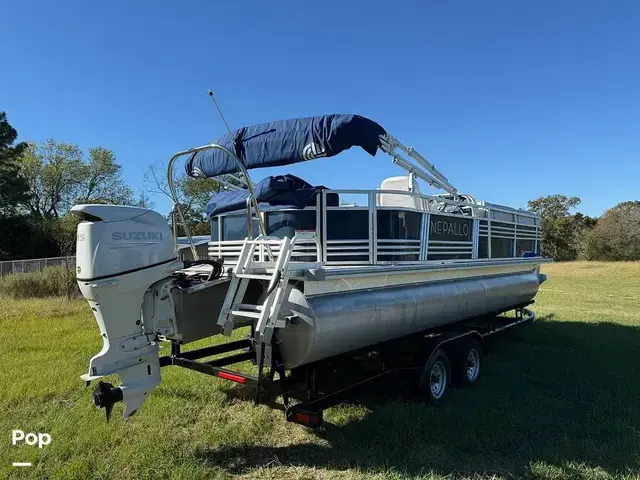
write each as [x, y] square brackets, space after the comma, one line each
[301, 383]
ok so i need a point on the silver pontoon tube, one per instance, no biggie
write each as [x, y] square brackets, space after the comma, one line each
[327, 325]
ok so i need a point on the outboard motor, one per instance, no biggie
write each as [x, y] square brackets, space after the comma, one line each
[121, 252]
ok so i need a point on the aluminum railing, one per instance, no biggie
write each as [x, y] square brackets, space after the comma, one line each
[371, 250]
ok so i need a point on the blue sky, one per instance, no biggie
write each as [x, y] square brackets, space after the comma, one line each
[511, 100]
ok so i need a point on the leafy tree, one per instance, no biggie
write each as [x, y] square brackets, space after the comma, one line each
[102, 180]
[24, 236]
[144, 201]
[617, 234]
[39, 183]
[53, 170]
[13, 186]
[562, 232]
[17, 232]
[553, 206]
[193, 195]
[59, 176]
[64, 231]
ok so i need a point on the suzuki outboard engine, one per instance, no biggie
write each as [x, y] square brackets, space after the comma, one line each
[121, 252]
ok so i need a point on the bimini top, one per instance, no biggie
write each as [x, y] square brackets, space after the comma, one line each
[283, 190]
[285, 142]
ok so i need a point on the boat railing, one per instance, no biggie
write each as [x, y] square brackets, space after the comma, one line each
[423, 232]
[305, 251]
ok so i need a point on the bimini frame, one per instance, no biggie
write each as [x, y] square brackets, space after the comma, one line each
[251, 201]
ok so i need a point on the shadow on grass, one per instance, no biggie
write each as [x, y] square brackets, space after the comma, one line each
[553, 395]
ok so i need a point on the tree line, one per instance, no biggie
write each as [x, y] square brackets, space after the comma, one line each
[39, 183]
[568, 236]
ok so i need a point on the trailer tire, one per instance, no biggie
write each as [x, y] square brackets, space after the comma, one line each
[468, 367]
[436, 377]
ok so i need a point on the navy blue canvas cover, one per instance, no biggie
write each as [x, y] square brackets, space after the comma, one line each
[285, 142]
[276, 190]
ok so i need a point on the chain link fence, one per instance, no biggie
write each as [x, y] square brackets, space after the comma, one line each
[35, 265]
[8, 267]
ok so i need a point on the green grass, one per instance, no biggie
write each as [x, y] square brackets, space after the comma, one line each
[558, 399]
[49, 282]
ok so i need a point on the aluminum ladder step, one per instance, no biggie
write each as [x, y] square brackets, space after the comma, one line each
[248, 307]
[244, 313]
[266, 314]
[257, 276]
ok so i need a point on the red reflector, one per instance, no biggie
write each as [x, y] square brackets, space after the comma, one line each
[307, 419]
[232, 377]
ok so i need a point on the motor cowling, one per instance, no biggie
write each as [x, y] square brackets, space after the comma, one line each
[121, 253]
[113, 239]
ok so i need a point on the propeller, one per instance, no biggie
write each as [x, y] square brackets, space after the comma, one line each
[105, 396]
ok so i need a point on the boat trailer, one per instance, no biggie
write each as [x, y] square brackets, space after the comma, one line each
[437, 358]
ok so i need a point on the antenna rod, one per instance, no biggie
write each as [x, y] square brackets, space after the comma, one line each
[213, 99]
[252, 198]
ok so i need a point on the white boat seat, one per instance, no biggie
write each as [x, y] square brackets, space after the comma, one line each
[405, 183]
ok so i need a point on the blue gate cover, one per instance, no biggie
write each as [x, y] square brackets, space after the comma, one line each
[278, 190]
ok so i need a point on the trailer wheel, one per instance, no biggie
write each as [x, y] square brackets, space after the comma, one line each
[436, 376]
[468, 366]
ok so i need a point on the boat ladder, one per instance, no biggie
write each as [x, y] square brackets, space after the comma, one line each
[277, 273]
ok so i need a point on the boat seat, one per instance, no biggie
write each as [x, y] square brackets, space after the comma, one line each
[404, 183]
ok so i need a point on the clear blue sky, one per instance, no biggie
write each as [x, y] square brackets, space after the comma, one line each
[510, 99]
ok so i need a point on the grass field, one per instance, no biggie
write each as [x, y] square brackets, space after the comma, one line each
[558, 399]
